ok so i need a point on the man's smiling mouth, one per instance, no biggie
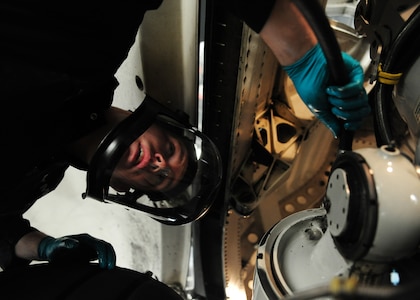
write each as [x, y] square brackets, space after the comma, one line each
[140, 155]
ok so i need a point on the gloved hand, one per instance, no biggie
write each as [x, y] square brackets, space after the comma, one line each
[76, 249]
[349, 103]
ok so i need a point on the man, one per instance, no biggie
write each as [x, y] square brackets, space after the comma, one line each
[58, 61]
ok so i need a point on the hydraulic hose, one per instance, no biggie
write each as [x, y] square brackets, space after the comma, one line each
[315, 15]
[400, 55]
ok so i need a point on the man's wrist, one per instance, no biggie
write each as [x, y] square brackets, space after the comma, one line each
[27, 246]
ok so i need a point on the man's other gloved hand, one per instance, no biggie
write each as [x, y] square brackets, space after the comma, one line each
[77, 249]
[349, 103]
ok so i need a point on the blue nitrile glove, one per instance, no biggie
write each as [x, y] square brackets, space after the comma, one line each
[76, 249]
[349, 103]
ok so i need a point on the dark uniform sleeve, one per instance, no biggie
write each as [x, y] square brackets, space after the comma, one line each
[253, 12]
[58, 62]
[19, 195]
[12, 228]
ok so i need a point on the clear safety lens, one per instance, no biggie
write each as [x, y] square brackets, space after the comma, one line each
[170, 172]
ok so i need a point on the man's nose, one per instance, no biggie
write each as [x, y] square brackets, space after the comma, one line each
[158, 162]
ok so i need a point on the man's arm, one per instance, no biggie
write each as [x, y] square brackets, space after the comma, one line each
[289, 36]
[27, 246]
[287, 33]
[36, 245]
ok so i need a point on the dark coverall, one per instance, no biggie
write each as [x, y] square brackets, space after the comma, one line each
[57, 66]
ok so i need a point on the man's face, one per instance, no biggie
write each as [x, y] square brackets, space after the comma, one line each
[155, 161]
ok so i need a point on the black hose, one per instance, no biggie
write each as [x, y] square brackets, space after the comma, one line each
[315, 15]
[402, 53]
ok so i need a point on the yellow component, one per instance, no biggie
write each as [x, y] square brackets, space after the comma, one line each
[343, 285]
[351, 284]
[388, 78]
[335, 285]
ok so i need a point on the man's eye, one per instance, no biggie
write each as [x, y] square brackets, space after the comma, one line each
[171, 150]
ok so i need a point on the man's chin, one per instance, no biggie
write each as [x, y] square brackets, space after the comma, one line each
[121, 188]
